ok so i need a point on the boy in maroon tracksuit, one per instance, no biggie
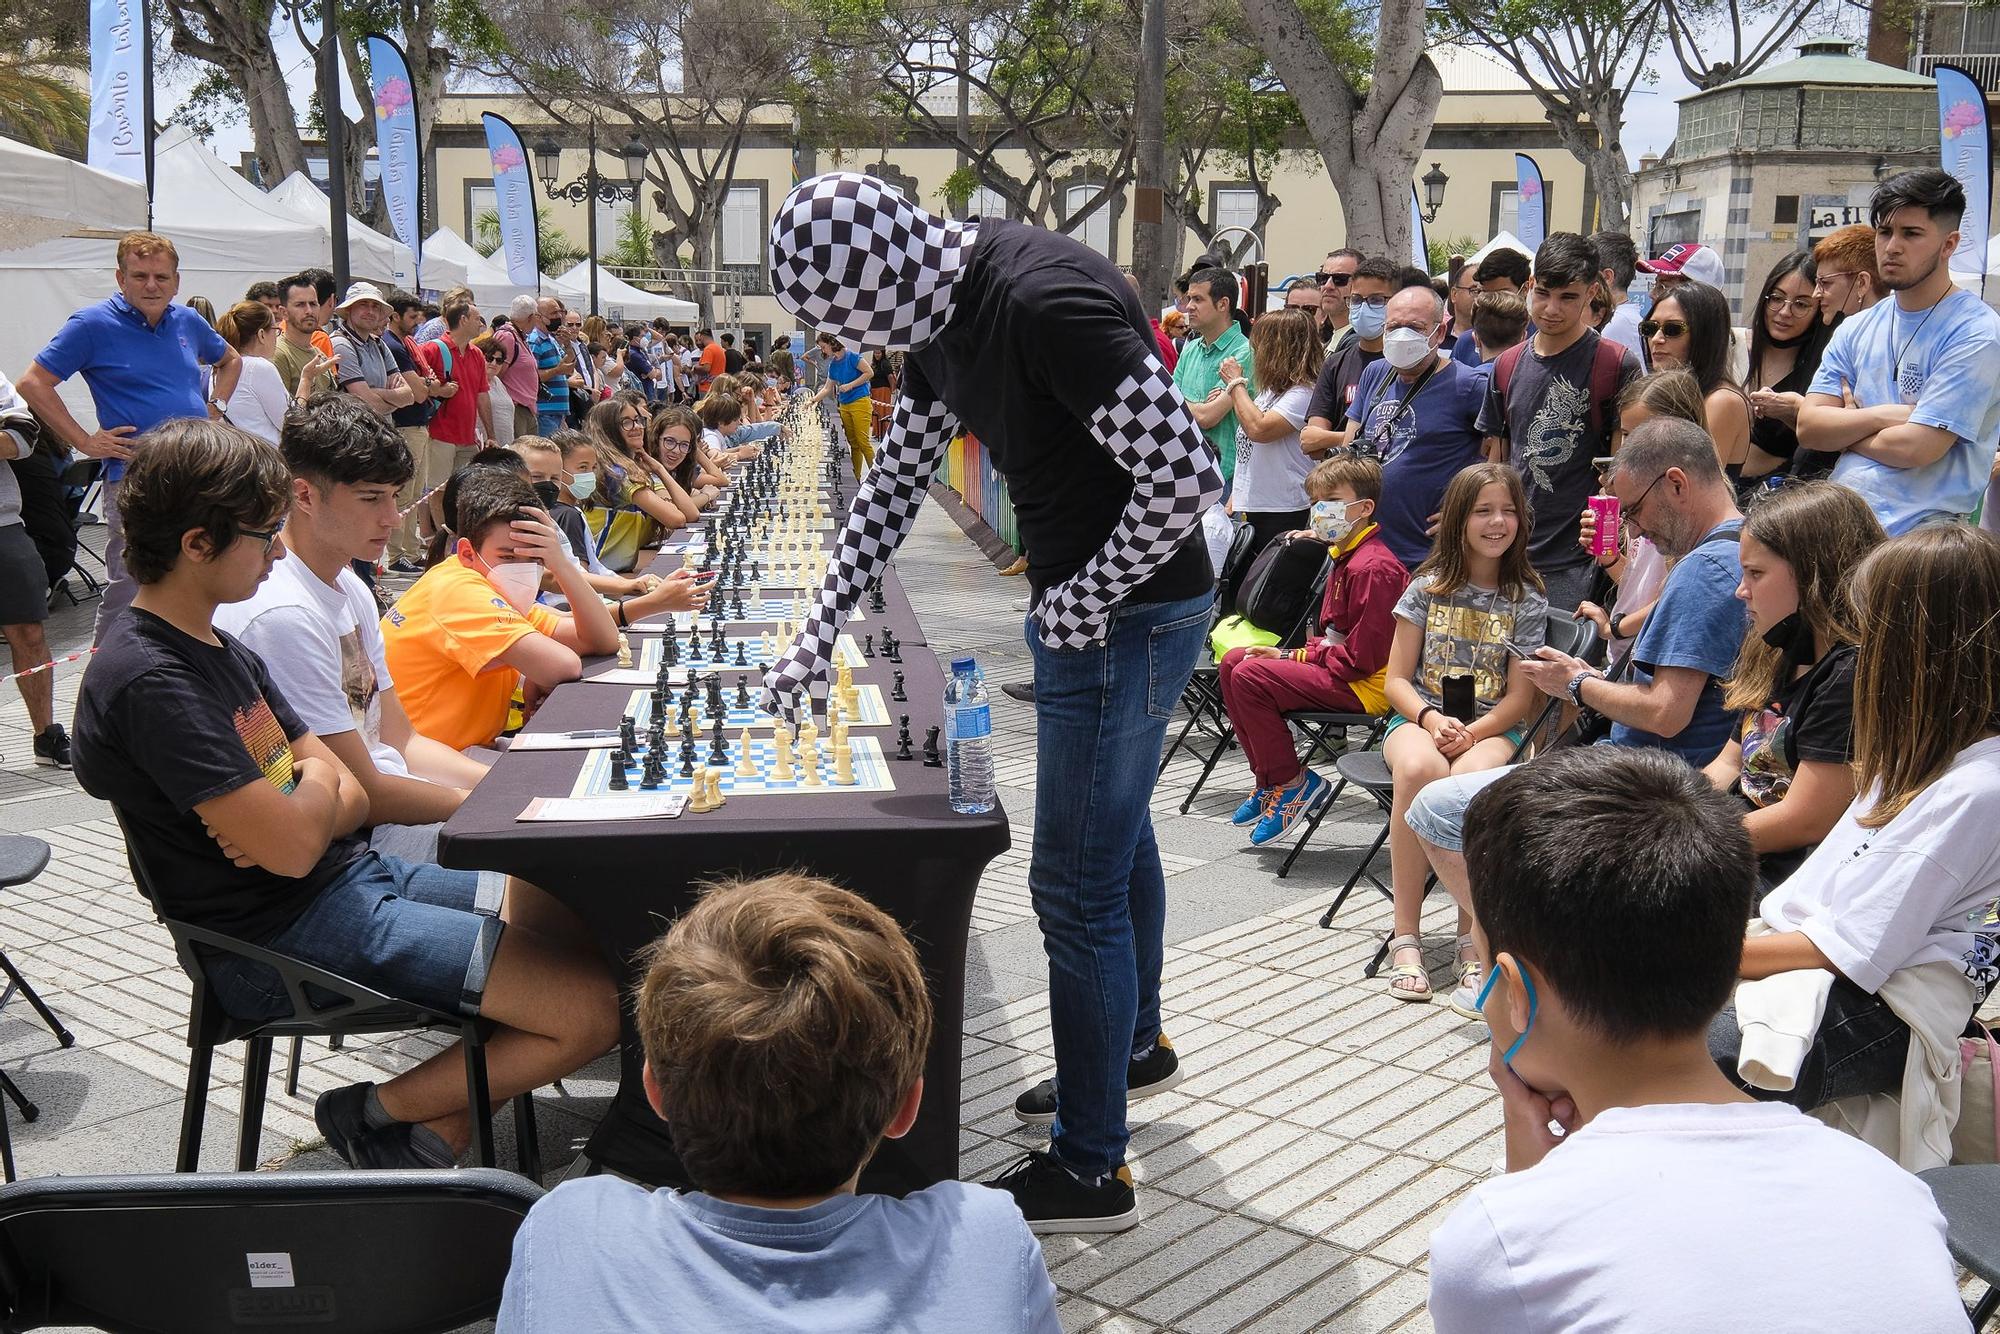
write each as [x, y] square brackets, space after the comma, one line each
[1342, 668]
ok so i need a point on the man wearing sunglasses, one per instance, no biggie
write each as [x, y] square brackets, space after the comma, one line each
[1335, 274]
[1374, 282]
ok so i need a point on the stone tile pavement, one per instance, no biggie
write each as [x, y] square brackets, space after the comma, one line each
[1290, 1183]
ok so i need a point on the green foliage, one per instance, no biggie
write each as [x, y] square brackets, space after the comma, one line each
[1442, 251]
[44, 48]
[558, 251]
[634, 245]
[211, 103]
[956, 192]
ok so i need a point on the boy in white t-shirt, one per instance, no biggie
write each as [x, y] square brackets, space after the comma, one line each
[1671, 1200]
[315, 624]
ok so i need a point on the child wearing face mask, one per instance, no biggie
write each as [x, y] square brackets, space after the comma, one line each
[1667, 1199]
[1342, 668]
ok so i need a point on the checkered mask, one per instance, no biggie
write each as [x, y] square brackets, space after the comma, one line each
[851, 256]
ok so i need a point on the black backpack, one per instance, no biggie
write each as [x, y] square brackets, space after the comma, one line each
[1282, 582]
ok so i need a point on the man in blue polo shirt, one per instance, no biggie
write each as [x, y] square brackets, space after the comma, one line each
[552, 368]
[141, 357]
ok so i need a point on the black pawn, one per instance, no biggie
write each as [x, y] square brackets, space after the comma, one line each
[896, 691]
[868, 646]
[933, 758]
[694, 646]
[742, 692]
[656, 739]
[718, 749]
[687, 756]
[742, 655]
[892, 648]
[649, 777]
[618, 783]
[903, 751]
[736, 606]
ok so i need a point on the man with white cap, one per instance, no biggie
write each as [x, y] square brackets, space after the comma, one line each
[1683, 261]
[1037, 345]
[367, 366]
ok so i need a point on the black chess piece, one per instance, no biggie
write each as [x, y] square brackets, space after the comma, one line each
[628, 734]
[651, 774]
[618, 783]
[875, 600]
[933, 757]
[903, 751]
[736, 606]
[687, 756]
[670, 650]
[892, 647]
[742, 655]
[656, 737]
[694, 646]
[742, 692]
[868, 645]
[718, 646]
[896, 691]
[715, 696]
[718, 749]
[659, 706]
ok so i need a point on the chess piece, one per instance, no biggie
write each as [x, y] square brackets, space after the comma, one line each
[892, 647]
[903, 751]
[671, 726]
[698, 792]
[868, 645]
[746, 763]
[670, 649]
[718, 748]
[808, 737]
[875, 599]
[694, 722]
[659, 705]
[781, 742]
[896, 691]
[809, 764]
[742, 654]
[843, 763]
[933, 758]
[715, 798]
[838, 733]
[618, 783]
[742, 700]
[694, 644]
[628, 734]
[654, 773]
[687, 757]
[624, 650]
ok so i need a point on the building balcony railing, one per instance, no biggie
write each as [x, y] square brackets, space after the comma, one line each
[1983, 66]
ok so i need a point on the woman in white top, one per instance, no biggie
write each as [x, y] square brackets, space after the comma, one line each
[1909, 875]
[259, 403]
[503, 407]
[1269, 489]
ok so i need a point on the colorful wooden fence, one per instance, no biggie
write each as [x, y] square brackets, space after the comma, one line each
[970, 473]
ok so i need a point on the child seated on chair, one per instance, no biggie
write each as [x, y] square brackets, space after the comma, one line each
[246, 823]
[785, 1025]
[1669, 1200]
[1339, 670]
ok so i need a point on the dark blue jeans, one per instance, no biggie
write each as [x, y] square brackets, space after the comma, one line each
[1861, 1047]
[1101, 715]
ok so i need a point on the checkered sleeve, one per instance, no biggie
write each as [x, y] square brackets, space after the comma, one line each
[884, 508]
[1147, 427]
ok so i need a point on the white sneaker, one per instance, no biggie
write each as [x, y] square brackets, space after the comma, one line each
[1464, 997]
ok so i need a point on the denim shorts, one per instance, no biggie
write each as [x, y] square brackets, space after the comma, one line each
[1438, 812]
[410, 930]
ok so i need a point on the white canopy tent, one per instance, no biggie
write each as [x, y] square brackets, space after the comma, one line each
[491, 288]
[44, 197]
[368, 251]
[620, 300]
[1504, 241]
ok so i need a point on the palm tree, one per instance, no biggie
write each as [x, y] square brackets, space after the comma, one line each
[43, 75]
[559, 253]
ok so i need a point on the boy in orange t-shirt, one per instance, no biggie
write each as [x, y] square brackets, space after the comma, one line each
[460, 637]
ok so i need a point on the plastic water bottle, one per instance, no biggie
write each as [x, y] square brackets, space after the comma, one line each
[968, 735]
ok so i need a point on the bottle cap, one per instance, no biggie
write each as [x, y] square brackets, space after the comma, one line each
[962, 665]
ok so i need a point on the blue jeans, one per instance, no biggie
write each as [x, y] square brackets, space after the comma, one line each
[1101, 715]
[1861, 1047]
[548, 423]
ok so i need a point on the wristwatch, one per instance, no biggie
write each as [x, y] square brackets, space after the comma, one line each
[1617, 626]
[219, 404]
[1576, 687]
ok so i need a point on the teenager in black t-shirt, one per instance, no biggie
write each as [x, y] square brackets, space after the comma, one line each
[1036, 344]
[246, 823]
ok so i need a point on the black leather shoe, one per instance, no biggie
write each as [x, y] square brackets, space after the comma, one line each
[1021, 690]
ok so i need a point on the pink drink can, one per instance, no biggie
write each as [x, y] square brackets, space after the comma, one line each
[1604, 509]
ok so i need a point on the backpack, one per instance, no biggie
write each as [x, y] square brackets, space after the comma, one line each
[1276, 592]
[1606, 359]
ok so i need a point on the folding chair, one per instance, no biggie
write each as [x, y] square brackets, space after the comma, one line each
[1369, 771]
[1202, 698]
[1211, 709]
[323, 1004]
[384, 1252]
[83, 473]
[1319, 727]
[22, 859]
[1969, 1198]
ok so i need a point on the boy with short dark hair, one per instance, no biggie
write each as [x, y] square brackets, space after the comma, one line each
[1671, 1200]
[785, 1024]
[246, 823]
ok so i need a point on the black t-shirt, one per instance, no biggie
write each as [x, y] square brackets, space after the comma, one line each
[1773, 436]
[165, 722]
[1811, 720]
[732, 361]
[1044, 332]
[1333, 393]
[416, 414]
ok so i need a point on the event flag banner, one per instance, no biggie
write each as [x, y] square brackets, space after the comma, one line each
[1966, 149]
[1531, 214]
[514, 200]
[1420, 248]
[119, 80]
[397, 142]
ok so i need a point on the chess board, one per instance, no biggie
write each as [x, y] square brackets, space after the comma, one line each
[871, 771]
[648, 650]
[872, 709]
[769, 610]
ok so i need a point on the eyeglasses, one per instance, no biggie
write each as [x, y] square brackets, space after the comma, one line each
[265, 535]
[1632, 510]
[1826, 279]
[675, 442]
[1372, 302]
[1798, 305]
[1671, 328]
[627, 423]
[1337, 279]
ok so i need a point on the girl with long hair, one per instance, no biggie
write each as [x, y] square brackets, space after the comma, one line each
[1471, 613]
[259, 401]
[673, 439]
[1786, 340]
[1791, 760]
[625, 476]
[1689, 329]
[1271, 465]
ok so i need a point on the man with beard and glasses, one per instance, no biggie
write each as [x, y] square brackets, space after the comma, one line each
[1908, 392]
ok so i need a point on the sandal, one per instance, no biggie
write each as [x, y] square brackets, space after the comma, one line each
[1471, 977]
[1408, 972]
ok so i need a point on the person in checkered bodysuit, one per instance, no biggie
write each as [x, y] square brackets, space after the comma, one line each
[1036, 345]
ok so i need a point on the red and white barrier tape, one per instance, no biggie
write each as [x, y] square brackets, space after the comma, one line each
[49, 666]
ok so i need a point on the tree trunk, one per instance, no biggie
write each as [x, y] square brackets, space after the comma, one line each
[1610, 176]
[236, 39]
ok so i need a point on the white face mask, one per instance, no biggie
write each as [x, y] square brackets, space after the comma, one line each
[518, 581]
[1405, 349]
[1329, 520]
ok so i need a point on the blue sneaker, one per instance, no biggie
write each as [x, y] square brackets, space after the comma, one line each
[1291, 805]
[1253, 807]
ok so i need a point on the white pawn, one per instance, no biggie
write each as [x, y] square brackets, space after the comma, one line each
[781, 741]
[809, 765]
[746, 763]
[843, 762]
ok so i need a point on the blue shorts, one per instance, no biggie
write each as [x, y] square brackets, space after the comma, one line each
[1437, 813]
[410, 930]
[1396, 720]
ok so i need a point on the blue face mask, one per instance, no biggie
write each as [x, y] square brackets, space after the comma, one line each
[1507, 1057]
[1366, 319]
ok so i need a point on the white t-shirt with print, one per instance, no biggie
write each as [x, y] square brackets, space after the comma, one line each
[1918, 890]
[1271, 476]
[1738, 1216]
[323, 648]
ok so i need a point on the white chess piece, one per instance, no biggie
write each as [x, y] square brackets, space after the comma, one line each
[781, 741]
[624, 650]
[843, 761]
[671, 725]
[746, 763]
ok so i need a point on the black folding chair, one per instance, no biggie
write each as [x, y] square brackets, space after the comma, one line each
[1203, 696]
[1369, 771]
[323, 1005]
[383, 1252]
[22, 859]
[1969, 1198]
[84, 473]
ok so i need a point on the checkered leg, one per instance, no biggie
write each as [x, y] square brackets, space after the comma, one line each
[1175, 479]
[883, 510]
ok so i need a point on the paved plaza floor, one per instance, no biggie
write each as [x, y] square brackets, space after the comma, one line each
[1290, 1183]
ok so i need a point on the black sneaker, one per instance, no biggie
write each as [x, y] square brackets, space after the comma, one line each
[52, 747]
[1024, 691]
[341, 1116]
[1157, 1072]
[1053, 1200]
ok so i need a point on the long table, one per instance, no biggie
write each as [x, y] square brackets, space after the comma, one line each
[906, 851]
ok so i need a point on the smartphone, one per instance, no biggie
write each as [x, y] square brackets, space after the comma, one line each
[1459, 700]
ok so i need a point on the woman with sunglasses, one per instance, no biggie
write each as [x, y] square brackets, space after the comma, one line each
[1786, 340]
[1689, 330]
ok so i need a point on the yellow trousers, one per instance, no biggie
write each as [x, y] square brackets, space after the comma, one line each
[857, 419]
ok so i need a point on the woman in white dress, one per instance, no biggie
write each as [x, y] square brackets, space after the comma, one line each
[259, 402]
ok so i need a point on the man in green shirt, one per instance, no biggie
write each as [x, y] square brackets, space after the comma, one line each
[297, 356]
[1211, 314]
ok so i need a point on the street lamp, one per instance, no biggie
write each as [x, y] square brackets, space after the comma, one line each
[591, 189]
[1434, 182]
